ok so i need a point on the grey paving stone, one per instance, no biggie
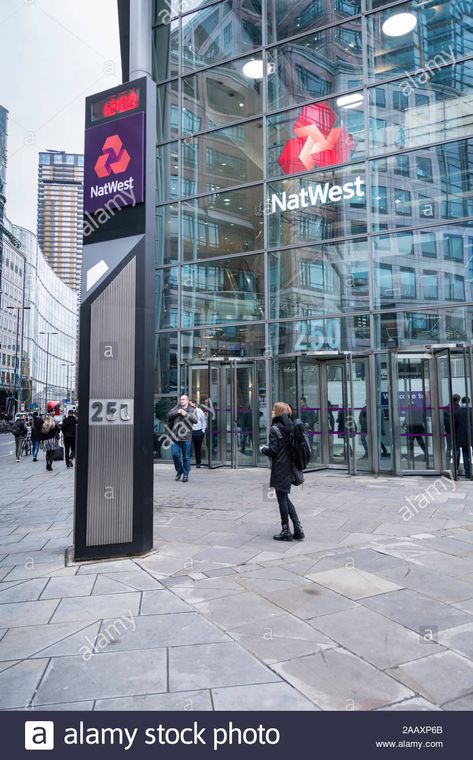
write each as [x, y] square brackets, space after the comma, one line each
[96, 607]
[114, 674]
[32, 640]
[280, 638]
[353, 582]
[162, 602]
[22, 591]
[189, 701]
[463, 703]
[112, 566]
[67, 707]
[439, 678]
[459, 639]
[137, 579]
[229, 611]
[151, 631]
[205, 666]
[75, 585]
[443, 588]
[417, 612]
[308, 602]
[375, 638]
[18, 683]
[338, 680]
[26, 613]
[265, 696]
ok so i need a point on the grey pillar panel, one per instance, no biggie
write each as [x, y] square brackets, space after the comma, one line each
[113, 325]
[110, 508]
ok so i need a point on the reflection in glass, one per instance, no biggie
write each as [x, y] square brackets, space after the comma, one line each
[333, 334]
[166, 298]
[224, 158]
[288, 18]
[328, 279]
[167, 230]
[238, 340]
[315, 136]
[230, 290]
[315, 66]
[223, 223]
[219, 96]
[167, 111]
[165, 61]
[167, 172]
[228, 29]
[438, 109]
[165, 365]
[443, 33]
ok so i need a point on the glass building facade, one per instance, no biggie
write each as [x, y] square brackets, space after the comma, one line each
[315, 223]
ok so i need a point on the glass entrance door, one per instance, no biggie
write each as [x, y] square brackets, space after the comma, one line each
[233, 394]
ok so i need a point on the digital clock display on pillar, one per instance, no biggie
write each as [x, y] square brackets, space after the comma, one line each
[115, 105]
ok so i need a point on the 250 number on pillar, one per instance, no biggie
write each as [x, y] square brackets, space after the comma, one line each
[111, 411]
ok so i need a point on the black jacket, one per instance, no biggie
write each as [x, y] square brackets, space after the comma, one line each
[36, 426]
[53, 433]
[181, 425]
[69, 426]
[462, 419]
[279, 449]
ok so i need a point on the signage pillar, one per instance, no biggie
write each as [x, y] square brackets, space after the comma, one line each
[114, 475]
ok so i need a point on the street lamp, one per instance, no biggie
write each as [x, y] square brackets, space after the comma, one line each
[18, 309]
[67, 365]
[47, 368]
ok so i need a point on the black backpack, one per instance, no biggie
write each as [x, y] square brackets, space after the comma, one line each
[300, 445]
[18, 428]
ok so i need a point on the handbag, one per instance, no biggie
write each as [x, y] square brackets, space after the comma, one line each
[58, 454]
[297, 477]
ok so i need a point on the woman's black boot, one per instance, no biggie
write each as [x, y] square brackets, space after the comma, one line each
[285, 534]
[298, 531]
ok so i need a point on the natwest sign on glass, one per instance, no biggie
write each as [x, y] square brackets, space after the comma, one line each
[114, 164]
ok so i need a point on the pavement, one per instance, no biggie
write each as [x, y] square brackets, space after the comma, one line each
[373, 611]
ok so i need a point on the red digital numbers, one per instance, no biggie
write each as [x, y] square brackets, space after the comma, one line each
[126, 101]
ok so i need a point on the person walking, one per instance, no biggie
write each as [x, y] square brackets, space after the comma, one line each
[198, 433]
[49, 437]
[180, 420]
[69, 435]
[36, 425]
[19, 431]
[279, 451]
[463, 432]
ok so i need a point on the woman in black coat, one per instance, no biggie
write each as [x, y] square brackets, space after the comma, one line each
[279, 449]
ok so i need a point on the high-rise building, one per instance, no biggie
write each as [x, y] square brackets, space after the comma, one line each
[314, 210]
[60, 187]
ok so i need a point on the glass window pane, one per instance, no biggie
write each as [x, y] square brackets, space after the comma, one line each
[167, 186]
[317, 206]
[166, 298]
[166, 51]
[312, 67]
[337, 334]
[331, 278]
[219, 96]
[223, 223]
[223, 158]
[166, 234]
[167, 122]
[165, 364]
[315, 136]
[238, 340]
[288, 18]
[441, 190]
[203, 33]
[444, 111]
[230, 290]
[438, 35]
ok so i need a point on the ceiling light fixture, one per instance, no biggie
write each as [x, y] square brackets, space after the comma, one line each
[399, 24]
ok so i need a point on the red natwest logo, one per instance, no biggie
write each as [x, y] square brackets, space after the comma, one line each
[318, 142]
[115, 158]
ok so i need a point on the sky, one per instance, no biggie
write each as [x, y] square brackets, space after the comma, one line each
[52, 54]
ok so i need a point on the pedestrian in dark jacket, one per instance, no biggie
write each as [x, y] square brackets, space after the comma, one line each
[69, 435]
[36, 425]
[279, 450]
[20, 432]
[49, 437]
[463, 433]
[180, 420]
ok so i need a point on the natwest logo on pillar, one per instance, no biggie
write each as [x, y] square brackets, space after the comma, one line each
[114, 163]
